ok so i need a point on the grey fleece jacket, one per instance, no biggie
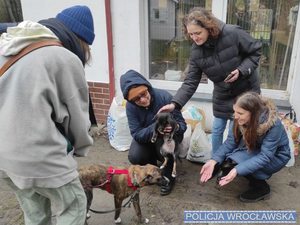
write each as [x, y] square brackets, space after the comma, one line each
[43, 88]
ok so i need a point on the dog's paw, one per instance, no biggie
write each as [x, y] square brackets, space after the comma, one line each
[153, 140]
[174, 174]
[117, 221]
[143, 220]
[161, 167]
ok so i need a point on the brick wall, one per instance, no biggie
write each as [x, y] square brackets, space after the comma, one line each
[100, 97]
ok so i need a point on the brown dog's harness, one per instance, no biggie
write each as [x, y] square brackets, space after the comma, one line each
[109, 174]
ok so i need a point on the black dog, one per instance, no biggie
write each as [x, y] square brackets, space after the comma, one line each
[225, 168]
[165, 142]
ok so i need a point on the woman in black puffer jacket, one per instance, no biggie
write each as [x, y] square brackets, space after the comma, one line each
[229, 57]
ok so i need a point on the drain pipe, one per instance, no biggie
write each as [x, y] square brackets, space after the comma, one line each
[110, 51]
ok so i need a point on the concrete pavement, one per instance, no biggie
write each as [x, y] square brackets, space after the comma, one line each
[188, 194]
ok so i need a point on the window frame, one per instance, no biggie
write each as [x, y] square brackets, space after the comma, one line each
[219, 9]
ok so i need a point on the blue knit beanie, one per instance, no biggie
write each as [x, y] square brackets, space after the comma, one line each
[79, 20]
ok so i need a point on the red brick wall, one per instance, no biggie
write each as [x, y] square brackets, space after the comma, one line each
[100, 98]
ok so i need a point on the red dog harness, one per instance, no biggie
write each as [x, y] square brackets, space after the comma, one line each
[111, 171]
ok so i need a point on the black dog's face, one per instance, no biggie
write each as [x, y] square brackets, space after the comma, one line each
[163, 120]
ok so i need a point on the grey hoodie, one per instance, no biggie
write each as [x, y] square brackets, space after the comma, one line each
[43, 88]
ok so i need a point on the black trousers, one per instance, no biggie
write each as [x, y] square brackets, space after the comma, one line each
[142, 154]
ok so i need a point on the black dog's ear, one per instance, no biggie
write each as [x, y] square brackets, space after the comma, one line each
[155, 117]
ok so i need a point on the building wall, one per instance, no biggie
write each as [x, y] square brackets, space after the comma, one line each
[128, 40]
[295, 71]
[36, 10]
[129, 27]
[101, 100]
[97, 72]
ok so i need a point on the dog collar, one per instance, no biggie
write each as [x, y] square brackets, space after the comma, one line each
[111, 171]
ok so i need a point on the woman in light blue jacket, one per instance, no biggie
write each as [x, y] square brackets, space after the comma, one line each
[257, 147]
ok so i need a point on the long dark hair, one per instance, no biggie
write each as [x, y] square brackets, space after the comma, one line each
[203, 18]
[86, 50]
[251, 102]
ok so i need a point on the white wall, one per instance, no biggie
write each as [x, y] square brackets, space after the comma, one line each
[127, 38]
[36, 10]
[295, 90]
[129, 24]
[295, 71]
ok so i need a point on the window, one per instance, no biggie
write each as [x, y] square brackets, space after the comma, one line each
[274, 23]
[168, 48]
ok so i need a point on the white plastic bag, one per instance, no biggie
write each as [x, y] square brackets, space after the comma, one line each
[291, 162]
[117, 127]
[193, 115]
[200, 147]
[183, 147]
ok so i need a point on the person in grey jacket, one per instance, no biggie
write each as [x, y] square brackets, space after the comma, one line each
[44, 108]
[257, 146]
[228, 56]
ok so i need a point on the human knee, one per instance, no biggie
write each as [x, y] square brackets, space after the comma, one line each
[136, 160]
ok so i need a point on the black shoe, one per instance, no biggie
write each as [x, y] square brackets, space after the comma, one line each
[259, 190]
[251, 180]
[166, 186]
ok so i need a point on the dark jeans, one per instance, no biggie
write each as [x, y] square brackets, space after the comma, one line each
[142, 154]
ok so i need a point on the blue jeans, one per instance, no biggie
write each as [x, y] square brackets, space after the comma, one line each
[219, 125]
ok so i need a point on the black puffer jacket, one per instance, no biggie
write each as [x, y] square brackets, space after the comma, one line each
[233, 49]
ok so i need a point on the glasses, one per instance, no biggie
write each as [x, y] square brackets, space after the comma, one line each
[142, 95]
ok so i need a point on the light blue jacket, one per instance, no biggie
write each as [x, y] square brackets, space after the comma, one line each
[272, 151]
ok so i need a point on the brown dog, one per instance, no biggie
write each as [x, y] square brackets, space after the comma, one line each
[119, 182]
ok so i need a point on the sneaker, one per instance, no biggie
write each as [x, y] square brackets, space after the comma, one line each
[166, 186]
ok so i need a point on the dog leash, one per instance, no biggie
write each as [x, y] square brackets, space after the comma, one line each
[127, 204]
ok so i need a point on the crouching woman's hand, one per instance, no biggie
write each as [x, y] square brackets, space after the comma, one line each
[207, 170]
[227, 179]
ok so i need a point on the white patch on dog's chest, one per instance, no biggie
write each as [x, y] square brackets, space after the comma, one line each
[168, 146]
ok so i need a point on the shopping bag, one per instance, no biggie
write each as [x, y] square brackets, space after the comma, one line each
[200, 147]
[183, 147]
[292, 129]
[117, 126]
